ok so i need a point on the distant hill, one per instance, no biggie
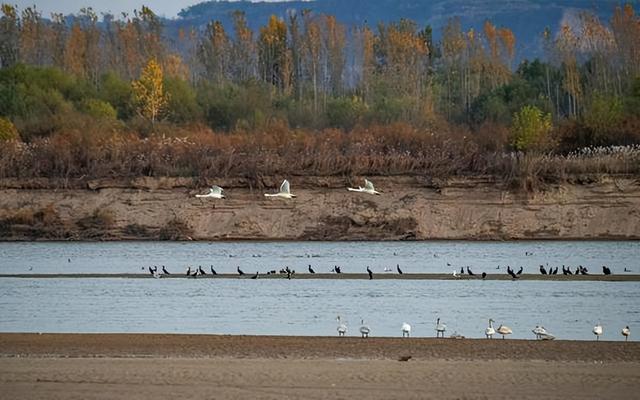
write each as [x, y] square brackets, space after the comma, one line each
[527, 18]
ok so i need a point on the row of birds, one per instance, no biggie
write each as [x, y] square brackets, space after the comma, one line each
[539, 331]
[337, 269]
[216, 192]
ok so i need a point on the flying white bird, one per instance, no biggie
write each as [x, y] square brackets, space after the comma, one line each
[368, 188]
[406, 330]
[284, 192]
[215, 192]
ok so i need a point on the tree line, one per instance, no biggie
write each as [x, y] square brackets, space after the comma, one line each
[308, 73]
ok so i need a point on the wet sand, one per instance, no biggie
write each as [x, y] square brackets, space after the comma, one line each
[407, 276]
[92, 366]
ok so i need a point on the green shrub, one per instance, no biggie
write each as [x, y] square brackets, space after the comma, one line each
[7, 130]
[530, 128]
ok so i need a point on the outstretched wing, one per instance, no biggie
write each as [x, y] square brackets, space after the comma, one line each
[368, 185]
[284, 188]
[215, 189]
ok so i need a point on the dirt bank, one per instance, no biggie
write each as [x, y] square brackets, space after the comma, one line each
[67, 366]
[410, 208]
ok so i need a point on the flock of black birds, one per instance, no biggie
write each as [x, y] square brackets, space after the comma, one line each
[580, 270]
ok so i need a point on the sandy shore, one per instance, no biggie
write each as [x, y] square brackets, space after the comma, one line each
[83, 366]
[406, 276]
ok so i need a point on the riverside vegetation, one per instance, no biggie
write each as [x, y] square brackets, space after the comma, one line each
[83, 97]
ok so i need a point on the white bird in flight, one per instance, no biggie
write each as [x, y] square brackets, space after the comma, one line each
[215, 192]
[284, 192]
[368, 188]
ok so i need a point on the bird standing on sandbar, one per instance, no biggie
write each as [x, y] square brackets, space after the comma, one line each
[342, 327]
[504, 330]
[213, 271]
[489, 332]
[440, 328]
[597, 330]
[626, 332]
[406, 330]
[240, 271]
[370, 273]
[398, 269]
[164, 271]
[311, 271]
[364, 329]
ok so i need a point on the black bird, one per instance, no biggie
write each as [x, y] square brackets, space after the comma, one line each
[542, 270]
[555, 271]
[513, 274]
[509, 271]
[461, 270]
[311, 271]
[240, 271]
[164, 271]
[338, 270]
[189, 271]
[398, 268]
[469, 271]
[606, 270]
[569, 271]
[194, 274]
[213, 271]
[255, 276]
[484, 275]
[520, 271]
[151, 271]
[584, 271]
[564, 270]
[289, 274]
[201, 271]
[578, 270]
[370, 273]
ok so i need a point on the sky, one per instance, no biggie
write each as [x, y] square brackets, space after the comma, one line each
[166, 8]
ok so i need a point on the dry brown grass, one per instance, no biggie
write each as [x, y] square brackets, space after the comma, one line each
[396, 149]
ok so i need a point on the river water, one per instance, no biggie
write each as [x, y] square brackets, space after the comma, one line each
[309, 307]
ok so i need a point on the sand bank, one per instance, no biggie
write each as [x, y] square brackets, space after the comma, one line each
[66, 366]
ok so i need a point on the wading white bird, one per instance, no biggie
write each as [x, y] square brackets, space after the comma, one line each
[215, 192]
[406, 330]
[489, 332]
[368, 188]
[364, 329]
[440, 328]
[504, 330]
[542, 334]
[284, 192]
[626, 332]
[342, 327]
[597, 330]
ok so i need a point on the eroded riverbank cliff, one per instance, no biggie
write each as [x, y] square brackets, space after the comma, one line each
[411, 208]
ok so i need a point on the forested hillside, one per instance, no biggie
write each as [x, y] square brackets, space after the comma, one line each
[84, 96]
